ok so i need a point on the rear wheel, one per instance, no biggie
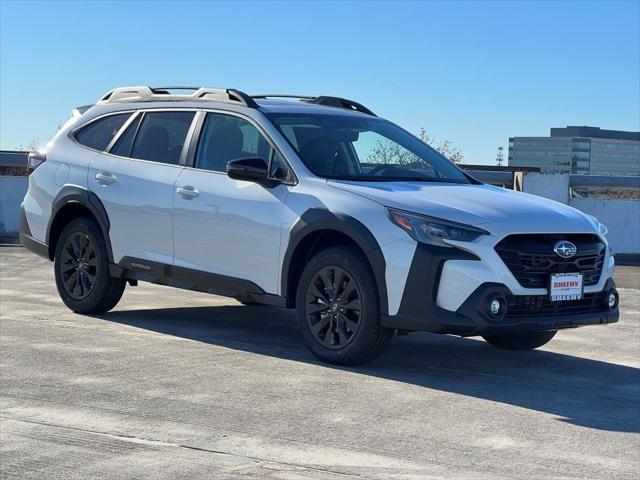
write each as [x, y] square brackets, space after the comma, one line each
[82, 269]
[338, 309]
[521, 340]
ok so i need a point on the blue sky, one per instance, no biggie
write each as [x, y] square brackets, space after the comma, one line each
[471, 72]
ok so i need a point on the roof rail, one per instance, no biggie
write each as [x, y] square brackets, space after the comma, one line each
[282, 95]
[230, 95]
[322, 100]
[165, 90]
[341, 103]
[160, 94]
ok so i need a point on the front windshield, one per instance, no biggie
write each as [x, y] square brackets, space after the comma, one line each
[365, 149]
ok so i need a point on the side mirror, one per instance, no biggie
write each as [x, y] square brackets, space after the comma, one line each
[251, 169]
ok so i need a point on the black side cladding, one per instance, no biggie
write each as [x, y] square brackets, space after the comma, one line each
[418, 309]
[27, 240]
[180, 277]
[87, 199]
[316, 219]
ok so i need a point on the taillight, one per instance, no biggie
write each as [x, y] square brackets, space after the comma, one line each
[35, 160]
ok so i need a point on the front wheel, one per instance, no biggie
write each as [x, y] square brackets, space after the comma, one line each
[82, 269]
[521, 340]
[338, 308]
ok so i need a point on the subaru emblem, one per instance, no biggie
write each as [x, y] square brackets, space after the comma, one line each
[565, 249]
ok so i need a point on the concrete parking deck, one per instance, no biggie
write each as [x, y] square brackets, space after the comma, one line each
[175, 384]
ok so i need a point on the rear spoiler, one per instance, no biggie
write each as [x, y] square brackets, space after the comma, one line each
[82, 109]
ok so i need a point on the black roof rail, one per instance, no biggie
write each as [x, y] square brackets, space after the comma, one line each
[242, 98]
[322, 100]
[282, 95]
[341, 103]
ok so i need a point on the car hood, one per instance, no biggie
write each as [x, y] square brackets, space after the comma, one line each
[473, 204]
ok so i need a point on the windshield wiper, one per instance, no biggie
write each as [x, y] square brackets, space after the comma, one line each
[398, 179]
[425, 179]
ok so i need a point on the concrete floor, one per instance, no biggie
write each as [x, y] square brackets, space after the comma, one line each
[175, 384]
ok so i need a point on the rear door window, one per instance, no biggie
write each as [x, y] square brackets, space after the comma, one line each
[98, 134]
[161, 136]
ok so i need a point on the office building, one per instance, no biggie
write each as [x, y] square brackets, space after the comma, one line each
[581, 150]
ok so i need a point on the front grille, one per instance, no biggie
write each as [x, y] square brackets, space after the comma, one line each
[539, 305]
[531, 258]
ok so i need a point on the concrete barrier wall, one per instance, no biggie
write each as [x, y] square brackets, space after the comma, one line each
[622, 217]
[553, 187]
[12, 191]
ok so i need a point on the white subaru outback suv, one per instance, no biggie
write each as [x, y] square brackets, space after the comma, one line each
[312, 203]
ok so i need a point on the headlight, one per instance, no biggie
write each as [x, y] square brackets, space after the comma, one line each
[433, 230]
[602, 228]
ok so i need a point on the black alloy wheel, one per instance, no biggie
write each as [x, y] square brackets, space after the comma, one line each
[79, 265]
[334, 308]
[338, 308]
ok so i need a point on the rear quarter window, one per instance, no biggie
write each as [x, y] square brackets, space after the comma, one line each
[98, 134]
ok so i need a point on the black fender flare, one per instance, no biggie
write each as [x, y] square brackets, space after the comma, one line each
[89, 200]
[316, 219]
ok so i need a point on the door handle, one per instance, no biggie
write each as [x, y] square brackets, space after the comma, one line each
[187, 192]
[105, 178]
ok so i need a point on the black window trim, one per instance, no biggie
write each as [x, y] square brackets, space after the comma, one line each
[197, 130]
[124, 128]
[141, 112]
[74, 131]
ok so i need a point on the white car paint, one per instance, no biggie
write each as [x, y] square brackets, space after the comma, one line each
[139, 202]
[232, 227]
[238, 229]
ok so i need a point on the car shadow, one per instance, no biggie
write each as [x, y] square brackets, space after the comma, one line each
[579, 391]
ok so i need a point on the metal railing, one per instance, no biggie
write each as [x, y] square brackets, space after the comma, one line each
[605, 181]
[506, 177]
[13, 163]
[11, 158]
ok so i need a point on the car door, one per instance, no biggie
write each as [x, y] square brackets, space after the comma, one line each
[225, 226]
[135, 182]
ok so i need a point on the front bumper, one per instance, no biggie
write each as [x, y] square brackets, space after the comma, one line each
[419, 309]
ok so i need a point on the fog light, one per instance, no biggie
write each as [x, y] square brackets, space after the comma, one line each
[497, 306]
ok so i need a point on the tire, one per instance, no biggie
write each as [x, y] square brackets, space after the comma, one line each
[340, 325]
[520, 341]
[92, 290]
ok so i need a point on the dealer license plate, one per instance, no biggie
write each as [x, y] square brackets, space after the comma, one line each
[565, 286]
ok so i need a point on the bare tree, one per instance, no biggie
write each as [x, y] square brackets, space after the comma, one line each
[32, 145]
[446, 148]
[387, 152]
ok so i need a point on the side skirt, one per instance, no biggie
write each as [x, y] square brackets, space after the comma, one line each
[179, 277]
